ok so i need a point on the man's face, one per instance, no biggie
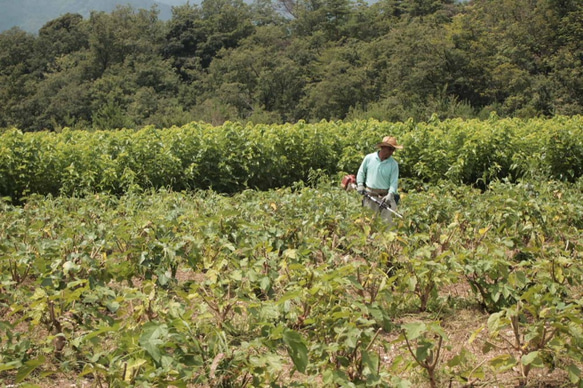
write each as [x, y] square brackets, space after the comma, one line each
[386, 152]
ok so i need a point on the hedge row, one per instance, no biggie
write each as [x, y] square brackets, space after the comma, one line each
[232, 157]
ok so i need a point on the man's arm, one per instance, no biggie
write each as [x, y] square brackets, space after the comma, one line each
[361, 175]
[394, 184]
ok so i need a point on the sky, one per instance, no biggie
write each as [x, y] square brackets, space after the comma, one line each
[29, 16]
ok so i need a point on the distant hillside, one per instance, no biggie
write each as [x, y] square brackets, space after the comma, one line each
[31, 15]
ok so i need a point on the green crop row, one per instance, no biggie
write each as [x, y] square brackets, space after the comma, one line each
[294, 287]
[232, 157]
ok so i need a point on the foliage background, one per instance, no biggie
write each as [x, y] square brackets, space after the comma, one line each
[285, 61]
[234, 157]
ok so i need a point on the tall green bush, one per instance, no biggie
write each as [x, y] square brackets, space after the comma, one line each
[233, 157]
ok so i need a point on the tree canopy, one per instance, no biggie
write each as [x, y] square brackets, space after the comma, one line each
[291, 60]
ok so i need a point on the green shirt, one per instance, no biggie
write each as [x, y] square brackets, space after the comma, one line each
[377, 174]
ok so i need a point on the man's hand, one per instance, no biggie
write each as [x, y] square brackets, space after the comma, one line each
[360, 189]
[390, 200]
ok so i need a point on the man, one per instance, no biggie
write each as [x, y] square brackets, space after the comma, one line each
[379, 176]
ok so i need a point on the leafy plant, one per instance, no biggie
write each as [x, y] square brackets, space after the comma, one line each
[424, 342]
[282, 287]
[540, 330]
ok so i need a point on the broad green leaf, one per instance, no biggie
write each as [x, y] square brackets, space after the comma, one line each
[532, 358]
[289, 295]
[495, 322]
[297, 349]
[152, 339]
[290, 254]
[423, 350]
[398, 382]
[414, 330]
[236, 275]
[437, 329]
[132, 366]
[574, 373]
[101, 330]
[265, 283]
[371, 360]
[70, 266]
[352, 337]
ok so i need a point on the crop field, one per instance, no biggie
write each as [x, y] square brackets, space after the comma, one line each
[144, 284]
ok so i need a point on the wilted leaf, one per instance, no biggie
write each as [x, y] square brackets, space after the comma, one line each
[503, 363]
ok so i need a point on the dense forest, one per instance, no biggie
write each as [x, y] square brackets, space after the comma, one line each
[290, 60]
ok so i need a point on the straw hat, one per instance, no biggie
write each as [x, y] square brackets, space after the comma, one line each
[389, 141]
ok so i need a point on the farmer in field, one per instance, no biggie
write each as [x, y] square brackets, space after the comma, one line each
[378, 175]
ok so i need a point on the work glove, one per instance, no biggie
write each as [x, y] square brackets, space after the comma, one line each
[390, 200]
[360, 189]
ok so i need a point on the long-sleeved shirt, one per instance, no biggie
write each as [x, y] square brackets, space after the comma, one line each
[375, 173]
